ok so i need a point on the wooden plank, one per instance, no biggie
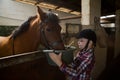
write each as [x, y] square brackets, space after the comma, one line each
[20, 58]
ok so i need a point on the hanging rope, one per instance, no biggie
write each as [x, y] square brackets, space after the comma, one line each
[97, 23]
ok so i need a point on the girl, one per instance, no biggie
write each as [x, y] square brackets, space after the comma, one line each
[82, 65]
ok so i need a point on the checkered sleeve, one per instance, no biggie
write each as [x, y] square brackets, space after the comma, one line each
[81, 63]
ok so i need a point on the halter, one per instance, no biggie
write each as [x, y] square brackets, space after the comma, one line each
[48, 45]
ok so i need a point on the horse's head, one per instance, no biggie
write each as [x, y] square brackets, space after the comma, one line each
[50, 30]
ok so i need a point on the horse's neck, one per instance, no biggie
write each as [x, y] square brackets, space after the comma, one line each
[5, 46]
[4, 39]
[26, 42]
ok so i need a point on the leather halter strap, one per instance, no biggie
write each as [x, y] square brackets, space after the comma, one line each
[48, 45]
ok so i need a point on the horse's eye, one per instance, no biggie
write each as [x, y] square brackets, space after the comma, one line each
[48, 29]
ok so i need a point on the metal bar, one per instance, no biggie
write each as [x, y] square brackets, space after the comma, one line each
[29, 56]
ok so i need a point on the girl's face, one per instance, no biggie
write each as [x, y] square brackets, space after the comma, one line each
[82, 42]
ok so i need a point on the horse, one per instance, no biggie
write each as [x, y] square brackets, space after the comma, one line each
[42, 28]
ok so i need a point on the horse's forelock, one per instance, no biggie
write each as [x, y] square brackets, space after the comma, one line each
[51, 17]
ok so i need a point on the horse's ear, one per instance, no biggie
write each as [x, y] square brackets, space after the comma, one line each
[41, 14]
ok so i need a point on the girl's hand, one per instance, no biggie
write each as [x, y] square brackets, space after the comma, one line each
[56, 58]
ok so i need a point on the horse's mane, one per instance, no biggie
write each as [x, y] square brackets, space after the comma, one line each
[21, 29]
[50, 17]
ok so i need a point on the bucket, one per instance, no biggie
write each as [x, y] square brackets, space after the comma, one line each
[67, 56]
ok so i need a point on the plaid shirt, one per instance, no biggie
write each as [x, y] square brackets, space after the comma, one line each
[81, 67]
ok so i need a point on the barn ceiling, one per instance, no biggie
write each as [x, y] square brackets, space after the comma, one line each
[108, 7]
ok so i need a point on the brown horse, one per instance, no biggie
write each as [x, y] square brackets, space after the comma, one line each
[42, 28]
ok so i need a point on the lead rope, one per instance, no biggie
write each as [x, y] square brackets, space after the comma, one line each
[97, 23]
